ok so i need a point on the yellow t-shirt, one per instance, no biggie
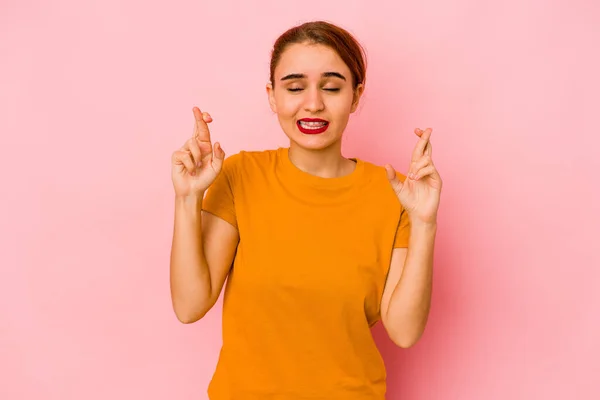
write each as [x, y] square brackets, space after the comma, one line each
[306, 284]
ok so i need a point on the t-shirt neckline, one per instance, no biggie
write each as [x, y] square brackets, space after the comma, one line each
[306, 178]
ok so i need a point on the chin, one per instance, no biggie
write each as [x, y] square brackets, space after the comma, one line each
[316, 142]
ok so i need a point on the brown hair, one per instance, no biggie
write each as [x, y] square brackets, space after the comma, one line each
[324, 33]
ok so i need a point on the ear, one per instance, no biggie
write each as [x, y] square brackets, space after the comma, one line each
[271, 96]
[357, 95]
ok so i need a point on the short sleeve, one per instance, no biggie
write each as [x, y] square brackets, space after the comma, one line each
[403, 231]
[219, 199]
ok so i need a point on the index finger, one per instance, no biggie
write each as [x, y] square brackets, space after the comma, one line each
[201, 132]
[421, 144]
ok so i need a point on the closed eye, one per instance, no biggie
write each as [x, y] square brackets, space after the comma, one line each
[326, 89]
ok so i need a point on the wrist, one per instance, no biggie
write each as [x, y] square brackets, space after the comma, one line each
[191, 200]
[426, 226]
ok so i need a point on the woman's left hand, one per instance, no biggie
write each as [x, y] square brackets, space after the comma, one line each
[419, 194]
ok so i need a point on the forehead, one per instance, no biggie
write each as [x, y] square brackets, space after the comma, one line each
[311, 60]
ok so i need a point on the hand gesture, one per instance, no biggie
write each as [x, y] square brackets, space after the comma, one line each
[420, 193]
[196, 165]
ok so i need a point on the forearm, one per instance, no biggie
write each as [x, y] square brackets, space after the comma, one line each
[189, 273]
[411, 299]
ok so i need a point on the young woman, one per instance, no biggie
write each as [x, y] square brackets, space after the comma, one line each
[316, 247]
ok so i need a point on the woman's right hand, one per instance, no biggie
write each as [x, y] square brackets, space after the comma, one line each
[196, 165]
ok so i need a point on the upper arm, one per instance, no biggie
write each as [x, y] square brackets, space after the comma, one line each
[393, 277]
[220, 235]
[399, 254]
[219, 240]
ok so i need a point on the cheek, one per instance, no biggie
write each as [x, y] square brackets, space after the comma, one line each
[340, 106]
[287, 106]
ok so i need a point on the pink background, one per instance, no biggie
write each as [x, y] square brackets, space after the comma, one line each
[95, 95]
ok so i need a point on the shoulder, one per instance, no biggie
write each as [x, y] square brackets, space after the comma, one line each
[378, 187]
[248, 162]
[245, 157]
[377, 173]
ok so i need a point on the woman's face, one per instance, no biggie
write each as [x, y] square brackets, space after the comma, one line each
[313, 95]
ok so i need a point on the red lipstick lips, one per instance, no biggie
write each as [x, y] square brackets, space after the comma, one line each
[312, 126]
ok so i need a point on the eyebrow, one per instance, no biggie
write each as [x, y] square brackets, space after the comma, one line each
[324, 75]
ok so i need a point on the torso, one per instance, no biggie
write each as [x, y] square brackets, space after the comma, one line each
[306, 283]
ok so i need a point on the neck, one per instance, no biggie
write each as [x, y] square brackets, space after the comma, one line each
[324, 163]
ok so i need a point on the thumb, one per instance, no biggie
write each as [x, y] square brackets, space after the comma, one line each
[393, 178]
[218, 156]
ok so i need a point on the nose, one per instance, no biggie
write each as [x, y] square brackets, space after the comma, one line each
[314, 101]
